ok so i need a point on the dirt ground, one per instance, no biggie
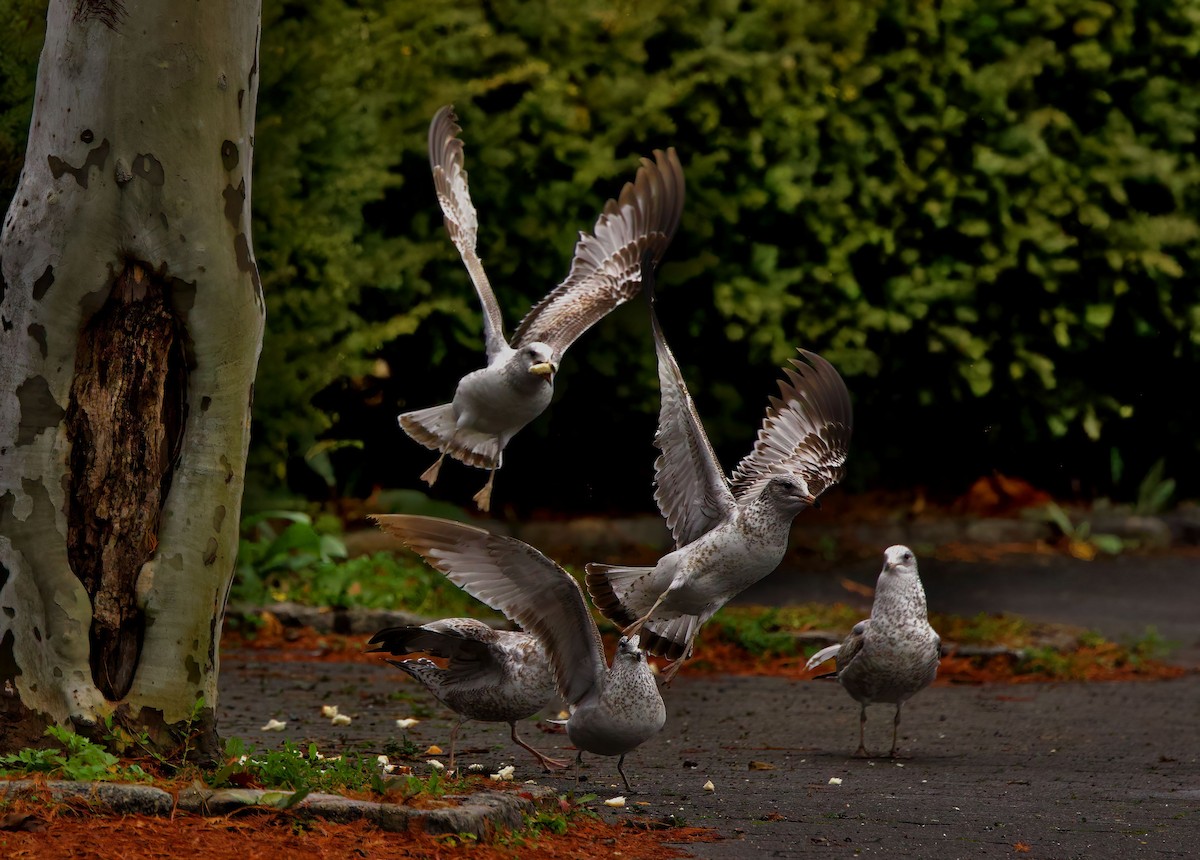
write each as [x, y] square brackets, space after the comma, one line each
[1044, 770]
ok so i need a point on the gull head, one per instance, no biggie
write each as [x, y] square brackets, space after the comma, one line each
[538, 359]
[790, 491]
[900, 561]
[629, 648]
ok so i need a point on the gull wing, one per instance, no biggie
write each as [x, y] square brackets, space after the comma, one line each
[514, 578]
[470, 646]
[450, 182]
[690, 488]
[806, 431]
[853, 645]
[606, 270]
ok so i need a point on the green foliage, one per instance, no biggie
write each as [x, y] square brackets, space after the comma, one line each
[76, 758]
[304, 563]
[978, 208]
[306, 771]
[22, 30]
[1154, 492]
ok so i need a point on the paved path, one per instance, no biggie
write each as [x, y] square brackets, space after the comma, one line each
[1069, 770]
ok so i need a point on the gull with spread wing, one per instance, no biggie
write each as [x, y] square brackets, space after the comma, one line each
[491, 404]
[728, 533]
[496, 676]
[612, 710]
[894, 654]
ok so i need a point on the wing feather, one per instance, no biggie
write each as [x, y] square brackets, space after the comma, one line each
[514, 578]
[606, 270]
[450, 182]
[806, 431]
[690, 488]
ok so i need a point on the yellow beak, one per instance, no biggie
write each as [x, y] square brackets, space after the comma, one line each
[543, 368]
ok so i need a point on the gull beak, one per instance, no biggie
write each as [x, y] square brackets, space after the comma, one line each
[813, 502]
[544, 369]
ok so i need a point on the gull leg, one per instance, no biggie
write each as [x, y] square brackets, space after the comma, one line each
[628, 787]
[578, 768]
[545, 760]
[895, 729]
[453, 741]
[637, 625]
[676, 665]
[430, 475]
[484, 497]
[861, 752]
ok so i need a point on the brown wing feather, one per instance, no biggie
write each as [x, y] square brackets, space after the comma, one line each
[606, 270]
[454, 196]
[806, 431]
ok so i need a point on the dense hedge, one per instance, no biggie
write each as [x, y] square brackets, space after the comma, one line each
[983, 212]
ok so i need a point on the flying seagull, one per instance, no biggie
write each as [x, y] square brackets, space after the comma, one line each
[612, 710]
[729, 533]
[894, 654]
[492, 675]
[491, 404]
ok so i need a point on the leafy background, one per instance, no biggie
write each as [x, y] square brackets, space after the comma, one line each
[983, 213]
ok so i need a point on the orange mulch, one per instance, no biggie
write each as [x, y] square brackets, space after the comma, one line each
[715, 656]
[61, 833]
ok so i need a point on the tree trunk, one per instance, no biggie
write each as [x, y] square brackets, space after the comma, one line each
[131, 319]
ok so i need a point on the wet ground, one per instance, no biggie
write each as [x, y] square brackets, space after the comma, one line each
[1039, 770]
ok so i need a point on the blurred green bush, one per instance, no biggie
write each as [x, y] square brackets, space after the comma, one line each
[983, 212]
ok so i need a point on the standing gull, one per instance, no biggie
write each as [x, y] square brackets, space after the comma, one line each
[728, 534]
[612, 711]
[491, 404]
[894, 654]
[492, 675]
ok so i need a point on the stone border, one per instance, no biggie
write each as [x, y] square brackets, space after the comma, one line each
[478, 814]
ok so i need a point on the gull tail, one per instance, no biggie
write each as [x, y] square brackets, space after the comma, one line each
[437, 428]
[423, 671]
[672, 638]
[821, 656]
[610, 585]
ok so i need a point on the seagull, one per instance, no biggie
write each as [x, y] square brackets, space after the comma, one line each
[894, 654]
[491, 404]
[612, 710]
[729, 533]
[493, 675]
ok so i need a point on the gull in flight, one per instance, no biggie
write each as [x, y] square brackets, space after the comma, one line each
[491, 404]
[729, 533]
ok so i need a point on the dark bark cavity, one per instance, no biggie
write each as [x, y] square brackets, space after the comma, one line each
[39, 410]
[126, 418]
[95, 157]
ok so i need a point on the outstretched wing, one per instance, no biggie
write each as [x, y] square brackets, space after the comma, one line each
[516, 579]
[606, 270]
[450, 182]
[806, 432]
[690, 488]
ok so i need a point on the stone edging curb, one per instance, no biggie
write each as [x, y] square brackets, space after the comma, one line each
[478, 814]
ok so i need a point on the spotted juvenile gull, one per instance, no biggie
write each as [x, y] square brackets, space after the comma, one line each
[612, 710]
[491, 404]
[492, 675]
[894, 654]
[728, 533]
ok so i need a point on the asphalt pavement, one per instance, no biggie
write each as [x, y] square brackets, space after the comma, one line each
[1069, 770]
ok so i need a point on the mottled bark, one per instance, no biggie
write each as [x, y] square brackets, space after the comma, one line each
[132, 321]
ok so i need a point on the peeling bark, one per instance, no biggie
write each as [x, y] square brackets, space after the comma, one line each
[131, 320]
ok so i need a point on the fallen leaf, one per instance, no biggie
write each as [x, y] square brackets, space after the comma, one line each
[615, 802]
[406, 723]
[434, 750]
[1021, 848]
[708, 786]
[274, 726]
[761, 765]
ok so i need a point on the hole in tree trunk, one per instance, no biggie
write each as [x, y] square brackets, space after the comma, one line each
[125, 419]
